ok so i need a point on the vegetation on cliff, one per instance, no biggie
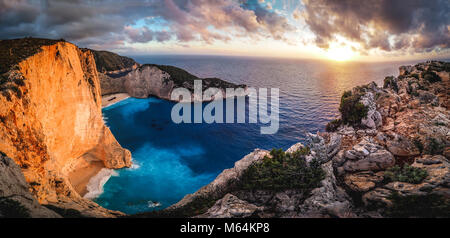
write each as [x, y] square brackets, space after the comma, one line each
[14, 51]
[423, 206]
[352, 110]
[407, 174]
[107, 61]
[180, 77]
[283, 171]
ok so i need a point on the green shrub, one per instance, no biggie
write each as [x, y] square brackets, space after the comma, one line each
[415, 76]
[390, 82]
[431, 76]
[352, 111]
[447, 66]
[434, 147]
[419, 145]
[333, 125]
[10, 208]
[424, 206]
[283, 171]
[407, 174]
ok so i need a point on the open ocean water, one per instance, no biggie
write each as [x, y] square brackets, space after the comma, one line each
[172, 160]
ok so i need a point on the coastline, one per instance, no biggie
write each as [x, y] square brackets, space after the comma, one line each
[111, 99]
[81, 177]
[89, 179]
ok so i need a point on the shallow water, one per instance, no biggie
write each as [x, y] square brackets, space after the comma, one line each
[172, 160]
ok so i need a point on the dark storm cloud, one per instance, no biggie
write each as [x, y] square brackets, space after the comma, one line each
[422, 25]
[110, 22]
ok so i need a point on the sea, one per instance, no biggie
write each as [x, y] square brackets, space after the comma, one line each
[172, 160]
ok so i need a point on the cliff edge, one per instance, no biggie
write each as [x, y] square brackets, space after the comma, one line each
[51, 122]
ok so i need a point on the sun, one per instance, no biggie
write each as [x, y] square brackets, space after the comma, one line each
[340, 53]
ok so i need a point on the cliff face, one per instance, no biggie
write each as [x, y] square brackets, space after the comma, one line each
[387, 156]
[156, 80]
[51, 121]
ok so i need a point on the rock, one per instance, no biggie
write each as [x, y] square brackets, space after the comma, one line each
[373, 118]
[402, 147]
[363, 181]
[377, 198]
[329, 200]
[367, 155]
[346, 131]
[427, 97]
[295, 147]
[334, 145]
[405, 70]
[15, 198]
[230, 207]
[322, 151]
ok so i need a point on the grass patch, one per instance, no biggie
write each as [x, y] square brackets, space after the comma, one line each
[407, 174]
[283, 171]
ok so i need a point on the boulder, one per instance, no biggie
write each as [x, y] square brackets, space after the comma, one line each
[367, 156]
[230, 207]
[363, 181]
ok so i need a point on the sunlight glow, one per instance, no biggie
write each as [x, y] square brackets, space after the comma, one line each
[340, 53]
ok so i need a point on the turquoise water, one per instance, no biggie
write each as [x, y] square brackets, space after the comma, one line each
[172, 160]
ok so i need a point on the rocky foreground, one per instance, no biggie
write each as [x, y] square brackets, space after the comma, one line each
[387, 156]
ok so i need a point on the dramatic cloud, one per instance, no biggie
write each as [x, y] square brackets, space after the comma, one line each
[388, 25]
[107, 21]
[421, 25]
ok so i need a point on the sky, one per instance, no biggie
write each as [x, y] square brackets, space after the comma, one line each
[370, 30]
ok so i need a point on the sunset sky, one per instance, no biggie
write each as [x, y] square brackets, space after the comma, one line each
[327, 29]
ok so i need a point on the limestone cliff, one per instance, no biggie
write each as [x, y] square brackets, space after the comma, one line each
[51, 121]
[142, 81]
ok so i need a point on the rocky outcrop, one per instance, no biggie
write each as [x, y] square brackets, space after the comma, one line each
[15, 197]
[51, 120]
[405, 131]
[142, 81]
[328, 200]
[230, 207]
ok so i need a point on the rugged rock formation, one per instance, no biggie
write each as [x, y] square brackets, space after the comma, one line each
[393, 161]
[142, 81]
[15, 197]
[50, 119]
